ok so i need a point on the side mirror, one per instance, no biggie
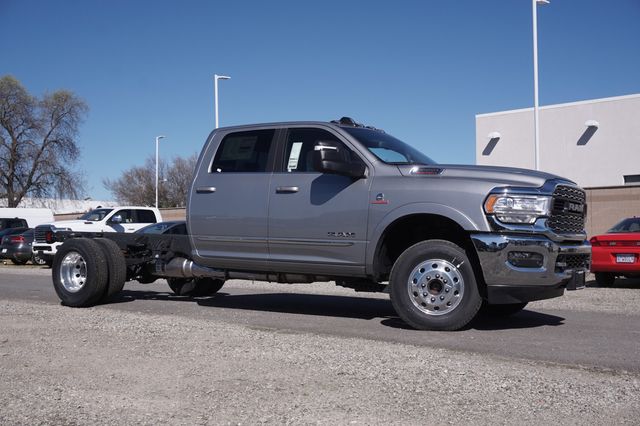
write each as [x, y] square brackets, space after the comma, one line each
[328, 158]
[116, 218]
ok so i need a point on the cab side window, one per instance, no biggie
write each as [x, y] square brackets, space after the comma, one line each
[301, 144]
[145, 216]
[126, 215]
[243, 152]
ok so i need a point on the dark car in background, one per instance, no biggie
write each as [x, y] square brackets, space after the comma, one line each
[173, 227]
[617, 252]
[15, 245]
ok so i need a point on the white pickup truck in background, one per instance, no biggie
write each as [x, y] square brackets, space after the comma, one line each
[113, 219]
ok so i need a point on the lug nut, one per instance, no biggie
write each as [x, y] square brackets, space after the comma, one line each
[446, 290]
[433, 299]
[425, 294]
[423, 285]
[437, 276]
[441, 297]
[445, 281]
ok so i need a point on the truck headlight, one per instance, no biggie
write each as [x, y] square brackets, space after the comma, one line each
[513, 208]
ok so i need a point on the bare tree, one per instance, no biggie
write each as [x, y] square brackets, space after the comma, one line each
[38, 145]
[179, 176]
[136, 186]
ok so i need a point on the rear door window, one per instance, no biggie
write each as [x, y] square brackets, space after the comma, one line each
[243, 152]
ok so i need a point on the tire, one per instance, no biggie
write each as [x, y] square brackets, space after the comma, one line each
[117, 266]
[605, 279]
[80, 272]
[502, 310]
[19, 261]
[195, 287]
[442, 271]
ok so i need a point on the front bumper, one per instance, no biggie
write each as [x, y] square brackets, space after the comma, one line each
[45, 249]
[562, 267]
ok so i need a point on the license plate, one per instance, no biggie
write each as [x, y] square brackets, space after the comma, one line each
[4, 250]
[625, 258]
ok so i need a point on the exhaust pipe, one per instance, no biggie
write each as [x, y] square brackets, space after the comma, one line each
[180, 267]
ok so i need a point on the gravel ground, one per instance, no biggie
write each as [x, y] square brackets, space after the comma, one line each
[103, 366]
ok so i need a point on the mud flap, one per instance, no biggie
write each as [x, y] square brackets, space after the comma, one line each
[577, 280]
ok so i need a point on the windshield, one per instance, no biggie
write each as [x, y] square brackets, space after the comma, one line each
[156, 228]
[96, 215]
[631, 224]
[387, 148]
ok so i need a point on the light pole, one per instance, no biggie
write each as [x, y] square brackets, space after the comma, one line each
[157, 142]
[536, 130]
[217, 77]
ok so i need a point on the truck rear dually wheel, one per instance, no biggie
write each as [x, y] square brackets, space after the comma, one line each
[117, 266]
[433, 286]
[80, 273]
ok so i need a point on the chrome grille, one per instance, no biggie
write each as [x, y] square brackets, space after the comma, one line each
[566, 217]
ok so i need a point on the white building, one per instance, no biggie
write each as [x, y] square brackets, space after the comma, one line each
[595, 143]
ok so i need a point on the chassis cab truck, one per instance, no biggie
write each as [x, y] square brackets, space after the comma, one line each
[301, 202]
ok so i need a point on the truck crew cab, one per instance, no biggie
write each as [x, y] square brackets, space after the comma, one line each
[316, 201]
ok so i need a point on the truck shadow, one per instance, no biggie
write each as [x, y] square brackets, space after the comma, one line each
[521, 320]
[335, 306]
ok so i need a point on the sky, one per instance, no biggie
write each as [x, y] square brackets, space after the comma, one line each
[420, 70]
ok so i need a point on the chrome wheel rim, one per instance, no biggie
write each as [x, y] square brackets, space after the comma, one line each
[436, 286]
[73, 272]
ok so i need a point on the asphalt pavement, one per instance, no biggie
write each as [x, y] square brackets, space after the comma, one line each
[580, 337]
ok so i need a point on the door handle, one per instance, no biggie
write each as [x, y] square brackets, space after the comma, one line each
[287, 189]
[205, 189]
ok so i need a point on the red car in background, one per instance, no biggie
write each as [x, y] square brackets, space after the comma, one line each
[617, 253]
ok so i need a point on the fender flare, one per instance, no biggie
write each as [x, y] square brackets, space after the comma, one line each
[448, 212]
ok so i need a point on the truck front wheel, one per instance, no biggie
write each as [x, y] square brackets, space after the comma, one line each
[433, 286]
[80, 272]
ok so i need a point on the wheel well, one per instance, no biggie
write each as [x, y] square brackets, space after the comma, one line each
[409, 230]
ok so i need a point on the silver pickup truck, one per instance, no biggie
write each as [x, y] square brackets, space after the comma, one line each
[301, 202]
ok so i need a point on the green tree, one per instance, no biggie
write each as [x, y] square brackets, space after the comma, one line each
[38, 143]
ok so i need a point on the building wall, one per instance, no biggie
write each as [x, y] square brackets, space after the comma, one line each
[589, 156]
[607, 206]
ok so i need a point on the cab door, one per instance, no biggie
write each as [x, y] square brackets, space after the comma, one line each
[317, 222]
[228, 205]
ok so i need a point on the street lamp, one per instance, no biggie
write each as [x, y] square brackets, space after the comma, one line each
[157, 142]
[536, 130]
[217, 77]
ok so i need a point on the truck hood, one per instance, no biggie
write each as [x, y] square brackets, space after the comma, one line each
[72, 224]
[499, 175]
